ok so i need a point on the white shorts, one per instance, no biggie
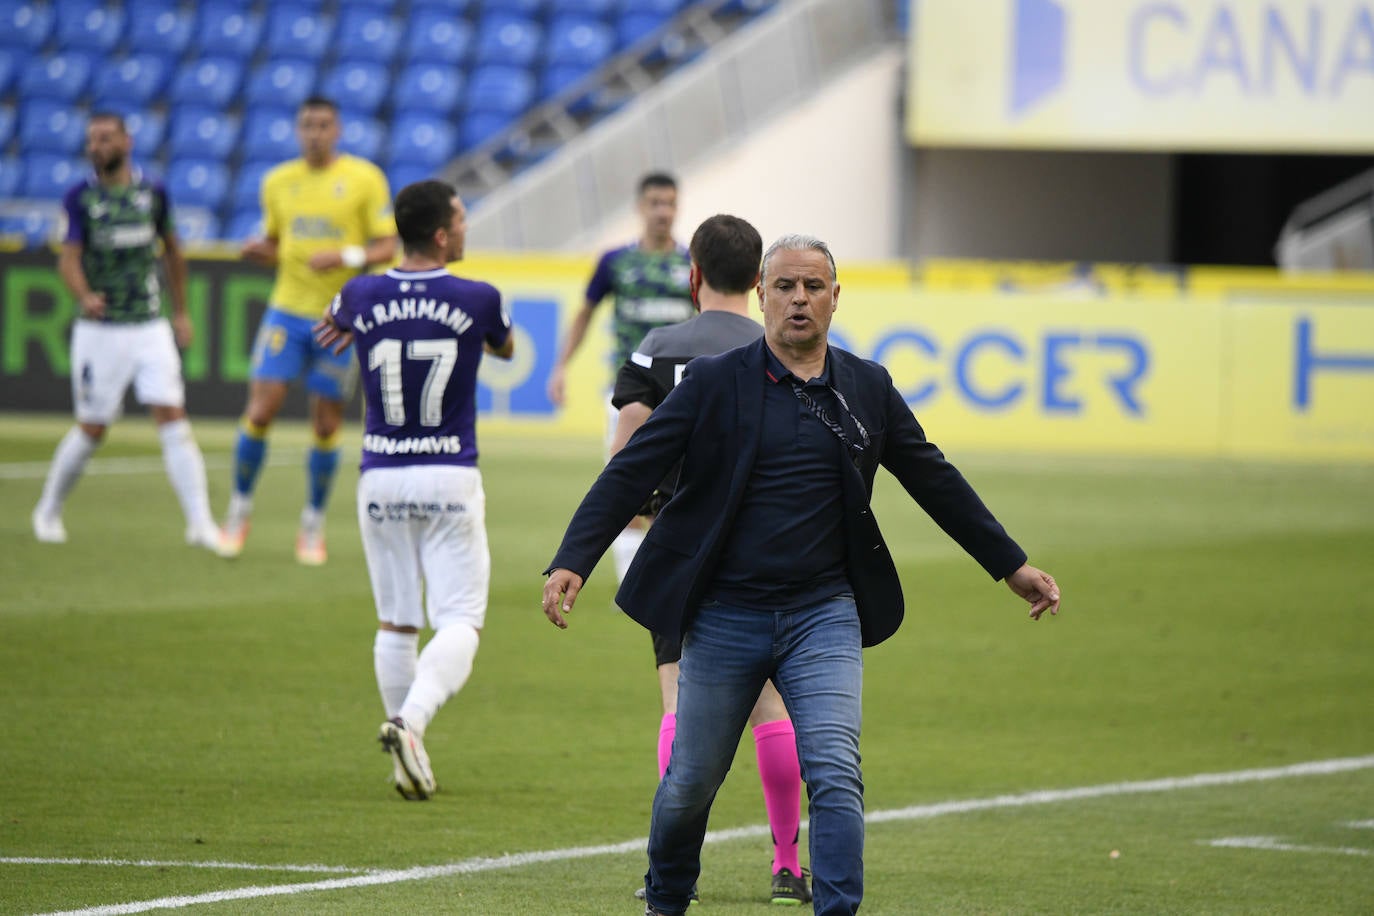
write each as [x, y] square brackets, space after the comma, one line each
[107, 357]
[426, 523]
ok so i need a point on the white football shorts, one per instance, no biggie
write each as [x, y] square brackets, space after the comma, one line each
[426, 524]
[107, 357]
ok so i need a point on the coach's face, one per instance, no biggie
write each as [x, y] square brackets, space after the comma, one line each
[798, 295]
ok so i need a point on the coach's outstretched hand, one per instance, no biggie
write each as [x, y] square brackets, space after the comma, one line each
[1036, 586]
[560, 592]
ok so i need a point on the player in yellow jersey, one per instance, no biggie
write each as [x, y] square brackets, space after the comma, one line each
[326, 218]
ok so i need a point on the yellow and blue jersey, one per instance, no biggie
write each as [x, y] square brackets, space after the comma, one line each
[311, 210]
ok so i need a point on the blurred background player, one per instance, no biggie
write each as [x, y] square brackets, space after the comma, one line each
[649, 281]
[116, 219]
[421, 506]
[725, 252]
[326, 216]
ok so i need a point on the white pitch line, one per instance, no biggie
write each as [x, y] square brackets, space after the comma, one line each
[140, 464]
[1360, 825]
[1274, 843]
[917, 812]
[155, 863]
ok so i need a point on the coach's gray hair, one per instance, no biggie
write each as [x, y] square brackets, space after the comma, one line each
[798, 243]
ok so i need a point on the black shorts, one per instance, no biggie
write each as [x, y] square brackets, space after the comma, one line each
[667, 651]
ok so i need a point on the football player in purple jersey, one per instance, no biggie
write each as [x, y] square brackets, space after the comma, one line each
[420, 333]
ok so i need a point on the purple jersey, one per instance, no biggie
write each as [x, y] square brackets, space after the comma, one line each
[419, 340]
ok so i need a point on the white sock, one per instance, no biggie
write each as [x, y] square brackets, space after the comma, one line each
[68, 463]
[240, 508]
[186, 470]
[624, 548]
[393, 658]
[442, 671]
[312, 519]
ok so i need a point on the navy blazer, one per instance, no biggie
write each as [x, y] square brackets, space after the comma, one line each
[713, 421]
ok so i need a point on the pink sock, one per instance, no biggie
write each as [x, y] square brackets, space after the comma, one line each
[666, 730]
[776, 746]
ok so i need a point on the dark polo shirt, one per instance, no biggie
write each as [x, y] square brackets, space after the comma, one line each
[787, 549]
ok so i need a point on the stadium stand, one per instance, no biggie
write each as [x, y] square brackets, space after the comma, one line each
[209, 88]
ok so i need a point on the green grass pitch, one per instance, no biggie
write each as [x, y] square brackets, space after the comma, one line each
[164, 709]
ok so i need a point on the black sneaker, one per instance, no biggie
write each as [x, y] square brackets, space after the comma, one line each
[790, 889]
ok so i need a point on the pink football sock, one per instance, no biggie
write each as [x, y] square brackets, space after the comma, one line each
[666, 730]
[775, 743]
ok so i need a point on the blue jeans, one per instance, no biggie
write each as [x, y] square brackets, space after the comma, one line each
[814, 656]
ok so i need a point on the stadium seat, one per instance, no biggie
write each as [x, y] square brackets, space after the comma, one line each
[578, 41]
[423, 140]
[13, 61]
[149, 130]
[195, 224]
[243, 225]
[160, 30]
[437, 36]
[212, 81]
[653, 7]
[632, 27]
[528, 9]
[229, 30]
[367, 34]
[296, 31]
[452, 7]
[62, 76]
[202, 133]
[281, 83]
[753, 7]
[510, 40]
[432, 88]
[7, 122]
[557, 78]
[357, 87]
[246, 193]
[46, 126]
[400, 174]
[25, 25]
[363, 137]
[197, 182]
[89, 26]
[32, 227]
[597, 9]
[270, 134]
[138, 79]
[11, 176]
[499, 90]
[47, 176]
[481, 126]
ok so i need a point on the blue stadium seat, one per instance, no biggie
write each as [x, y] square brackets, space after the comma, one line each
[366, 33]
[62, 76]
[246, 192]
[499, 90]
[597, 9]
[423, 140]
[434, 88]
[481, 126]
[89, 26]
[11, 176]
[13, 61]
[160, 30]
[505, 39]
[229, 29]
[47, 176]
[138, 79]
[212, 81]
[439, 37]
[25, 25]
[527, 9]
[298, 31]
[33, 227]
[149, 130]
[376, 6]
[47, 126]
[631, 27]
[282, 83]
[578, 41]
[270, 134]
[400, 174]
[243, 225]
[202, 132]
[363, 137]
[653, 7]
[557, 78]
[752, 7]
[356, 86]
[7, 122]
[198, 182]
[453, 7]
[195, 224]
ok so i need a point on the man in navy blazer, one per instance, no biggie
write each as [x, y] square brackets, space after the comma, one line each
[769, 563]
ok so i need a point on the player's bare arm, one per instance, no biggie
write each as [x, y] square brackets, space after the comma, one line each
[377, 251]
[176, 283]
[92, 304]
[576, 332]
[1036, 586]
[505, 351]
[560, 593]
[329, 334]
[260, 251]
[630, 418]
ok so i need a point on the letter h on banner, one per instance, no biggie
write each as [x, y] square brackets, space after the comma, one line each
[1307, 362]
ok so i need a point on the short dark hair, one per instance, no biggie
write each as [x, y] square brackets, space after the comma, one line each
[422, 209]
[114, 116]
[656, 180]
[319, 101]
[727, 249]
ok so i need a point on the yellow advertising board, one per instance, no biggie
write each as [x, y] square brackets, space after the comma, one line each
[1282, 75]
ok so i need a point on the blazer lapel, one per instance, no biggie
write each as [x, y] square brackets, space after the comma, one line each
[749, 413]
